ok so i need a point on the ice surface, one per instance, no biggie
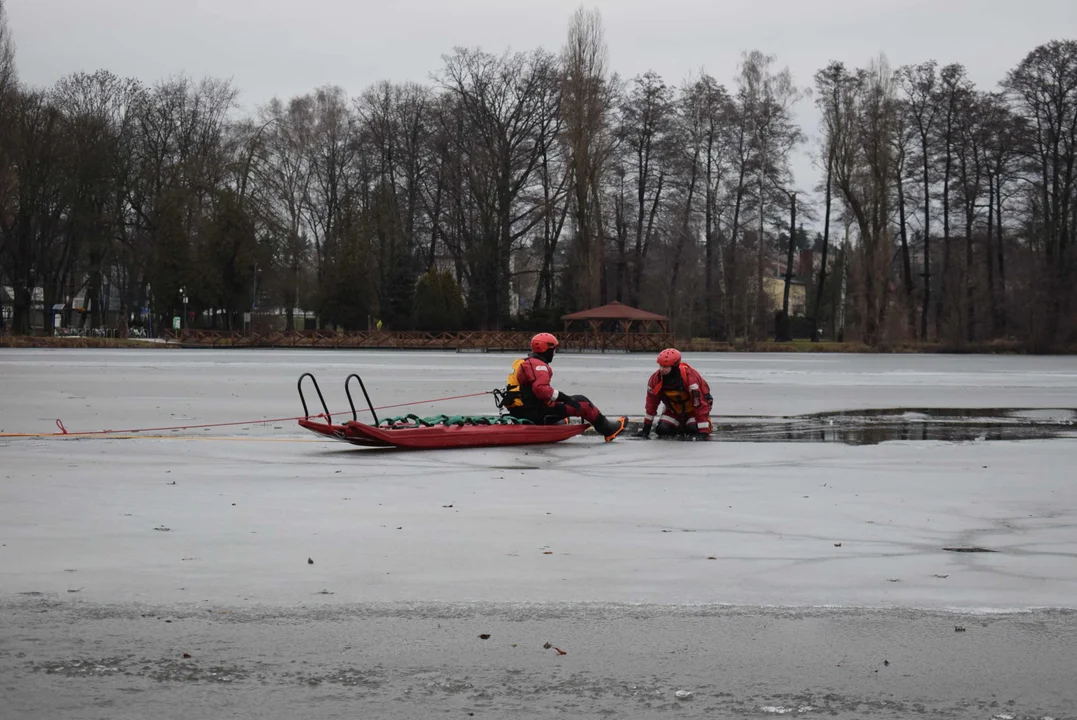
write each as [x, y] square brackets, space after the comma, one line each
[629, 521]
[209, 385]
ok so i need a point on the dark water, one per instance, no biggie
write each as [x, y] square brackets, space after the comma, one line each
[870, 427]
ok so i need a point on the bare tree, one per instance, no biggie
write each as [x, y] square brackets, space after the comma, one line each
[646, 127]
[864, 173]
[31, 231]
[767, 98]
[903, 137]
[713, 117]
[690, 136]
[331, 152]
[283, 178]
[554, 176]
[743, 156]
[587, 94]
[98, 110]
[920, 85]
[953, 88]
[446, 194]
[970, 152]
[504, 100]
[1043, 88]
[179, 162]
[395, 125]
[832, 85]
[8, 76]
[1004, 134]
[8, 170]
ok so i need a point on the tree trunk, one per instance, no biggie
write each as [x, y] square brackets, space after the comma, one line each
[871, 314]
[545, 232]
[642, 244]
[826, 246]
[435, 223]
[289, 306]
[585, 276]
[760, 294]
[906, 261]
[784, 324]
[553, 235]
[989, 256]
[942, 304]
[600, 243]
[970, 314]
[93, 295]
[732, 291]
[708, 234]
[622, 247]
[683, 238]
[642, 164]
[927, 241]
[21, 309]
[1001, 258]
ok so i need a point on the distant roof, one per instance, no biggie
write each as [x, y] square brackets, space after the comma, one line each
[614, 311]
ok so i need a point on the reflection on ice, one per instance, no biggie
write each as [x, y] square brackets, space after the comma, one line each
[870, 427]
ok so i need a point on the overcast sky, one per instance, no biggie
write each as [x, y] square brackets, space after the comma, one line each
[284, 48]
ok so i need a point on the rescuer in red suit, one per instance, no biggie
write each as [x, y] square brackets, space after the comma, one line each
[686, 398]
[530, 396]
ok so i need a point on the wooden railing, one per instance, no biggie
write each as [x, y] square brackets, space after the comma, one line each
[483, 341]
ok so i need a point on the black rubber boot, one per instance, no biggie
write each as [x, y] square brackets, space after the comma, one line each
[609, 428]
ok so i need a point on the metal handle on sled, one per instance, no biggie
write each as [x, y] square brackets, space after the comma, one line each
[348, 392]
[306, 413]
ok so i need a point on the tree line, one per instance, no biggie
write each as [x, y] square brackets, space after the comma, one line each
[948, 213]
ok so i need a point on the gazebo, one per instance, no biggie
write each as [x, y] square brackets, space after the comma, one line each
[616, 325]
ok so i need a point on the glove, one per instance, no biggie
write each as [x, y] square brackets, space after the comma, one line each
[567, 400]
[645, 433]
[698, 437]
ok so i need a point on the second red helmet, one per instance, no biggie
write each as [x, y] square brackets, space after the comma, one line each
[669, 357]
[543, 342]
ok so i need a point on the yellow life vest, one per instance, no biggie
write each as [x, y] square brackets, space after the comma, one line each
[513, 391]
[677, 400]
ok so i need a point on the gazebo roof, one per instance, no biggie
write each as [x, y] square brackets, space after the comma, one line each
[614, 311]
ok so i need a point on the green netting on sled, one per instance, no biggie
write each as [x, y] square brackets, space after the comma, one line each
[414, 421]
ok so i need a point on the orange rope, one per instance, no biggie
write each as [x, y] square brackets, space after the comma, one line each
[64, 431]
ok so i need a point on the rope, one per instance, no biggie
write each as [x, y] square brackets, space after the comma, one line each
[424, 402]
[64, 432]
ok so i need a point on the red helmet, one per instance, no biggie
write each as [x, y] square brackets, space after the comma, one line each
[669, 357]
[543, 342]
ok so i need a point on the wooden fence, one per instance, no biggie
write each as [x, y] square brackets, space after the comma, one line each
[474, 341]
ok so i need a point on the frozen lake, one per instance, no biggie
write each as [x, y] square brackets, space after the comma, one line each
[156, 385]
[630, 521]
[569, 535]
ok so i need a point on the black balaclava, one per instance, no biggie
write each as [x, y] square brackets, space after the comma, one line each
[672, 379]
[546, 357]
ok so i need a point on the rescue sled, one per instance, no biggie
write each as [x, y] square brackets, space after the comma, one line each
[431, 433]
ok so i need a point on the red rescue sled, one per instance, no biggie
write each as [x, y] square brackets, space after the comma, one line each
[444, 436]
[439, 433]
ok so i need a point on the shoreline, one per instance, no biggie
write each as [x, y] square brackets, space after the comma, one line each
[796, 347]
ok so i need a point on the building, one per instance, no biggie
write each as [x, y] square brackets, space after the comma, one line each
[774, 284]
